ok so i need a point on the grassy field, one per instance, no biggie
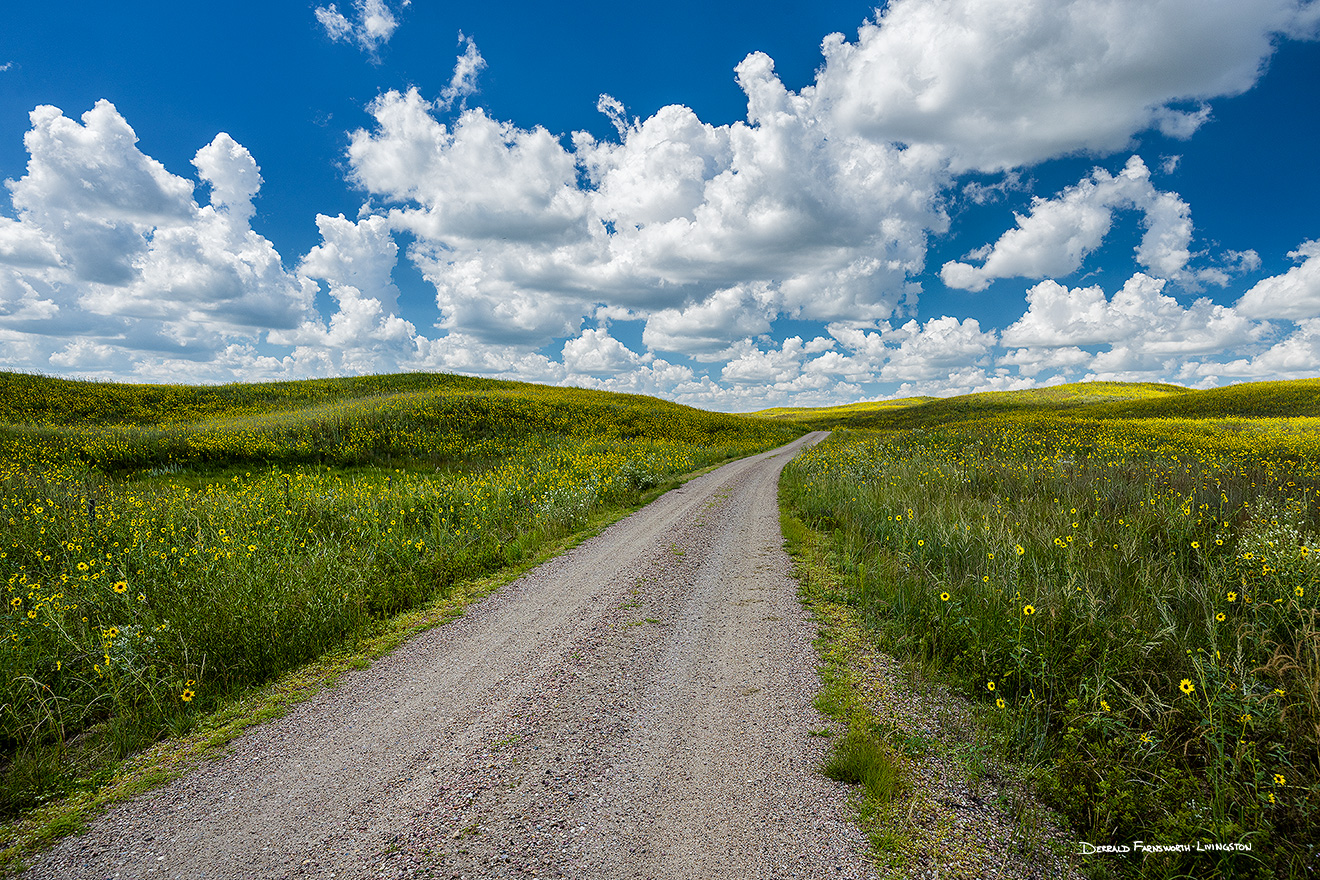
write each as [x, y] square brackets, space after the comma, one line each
[1126, 576]
[165, 548]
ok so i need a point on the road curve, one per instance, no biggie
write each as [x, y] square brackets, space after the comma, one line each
[639, 707]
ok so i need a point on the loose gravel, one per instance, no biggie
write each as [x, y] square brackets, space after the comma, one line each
[639, 707]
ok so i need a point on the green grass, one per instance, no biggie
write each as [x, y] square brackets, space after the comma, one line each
[824, 414]
[1133, 598]
[1094, 400]
[22, 838]
[165, 548]
[862, 756]
[861, 759]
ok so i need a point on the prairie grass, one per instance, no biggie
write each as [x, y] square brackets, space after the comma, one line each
[1134, 600]
[862, 759]
[1097, 400]
[164, 548]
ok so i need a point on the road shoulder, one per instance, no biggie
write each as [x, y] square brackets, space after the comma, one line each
[960, 809]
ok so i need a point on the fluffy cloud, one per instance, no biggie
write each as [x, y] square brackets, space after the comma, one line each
[111, 247]
[233, 175]
[1005, 83]
[92, 194]
[22, 301]
[466, 69]
[360, 255]
[1294, 295]
[679, 218]
[371, 28]
[706, 330]
[25, 246]
[1139, 315]
[597, 353]
[481, 180]
[1058, 233]
[936, 349]
[356, 260]
[1294, 357]
[1147, 333]
[814, 208]
[755, 367]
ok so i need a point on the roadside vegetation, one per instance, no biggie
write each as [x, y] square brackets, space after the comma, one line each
[1126, 576]
[165, 549]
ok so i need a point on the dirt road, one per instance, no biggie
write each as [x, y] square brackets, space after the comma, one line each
[639, 707]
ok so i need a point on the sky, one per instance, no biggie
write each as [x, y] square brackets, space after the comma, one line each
[733, 205]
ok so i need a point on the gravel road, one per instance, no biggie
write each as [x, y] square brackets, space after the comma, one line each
[638, 707]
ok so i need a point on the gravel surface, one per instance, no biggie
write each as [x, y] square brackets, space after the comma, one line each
[965, 813]
[638, 707]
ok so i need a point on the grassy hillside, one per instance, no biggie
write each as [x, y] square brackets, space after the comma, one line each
[1100, 400]
[1127, 579]
[165, 547]
[33, 399]
[848, 410]
[406, 420]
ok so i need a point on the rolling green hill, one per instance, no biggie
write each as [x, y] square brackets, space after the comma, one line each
[1101, 400]
[396, 420]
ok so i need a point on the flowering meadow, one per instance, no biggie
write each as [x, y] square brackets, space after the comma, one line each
[165, 547]
[1133, 596]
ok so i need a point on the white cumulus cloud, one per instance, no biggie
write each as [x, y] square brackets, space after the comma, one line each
[1058, 233]
[597, 353]
[1139, 333]
[1005, 83]
[668, 220]
[1293, 357]
[1294, 295]
[109, 246]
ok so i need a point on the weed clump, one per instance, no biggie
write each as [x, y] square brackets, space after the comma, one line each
[861, 759]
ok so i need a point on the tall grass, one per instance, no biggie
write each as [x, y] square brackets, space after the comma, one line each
[152, 570]
[1135, 599]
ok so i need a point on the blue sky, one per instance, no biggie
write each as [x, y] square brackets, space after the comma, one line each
[733, 205]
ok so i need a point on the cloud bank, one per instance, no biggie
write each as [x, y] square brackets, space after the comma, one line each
[817, 208]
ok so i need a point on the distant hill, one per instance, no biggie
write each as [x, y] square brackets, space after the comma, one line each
[1300, 397]
[33, 399]
[414, 417]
